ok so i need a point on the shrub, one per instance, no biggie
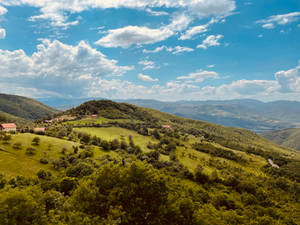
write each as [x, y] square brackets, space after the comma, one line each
[30, 151]
[44, 161]
[17, 145]
[36, 141]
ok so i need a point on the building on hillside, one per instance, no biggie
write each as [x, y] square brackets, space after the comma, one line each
[95, 116]
[8, 127]
[39, 130]
[168, 127]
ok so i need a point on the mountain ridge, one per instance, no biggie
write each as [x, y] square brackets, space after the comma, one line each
[25, 108]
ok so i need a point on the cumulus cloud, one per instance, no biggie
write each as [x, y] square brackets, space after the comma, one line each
[286, 85]
[282, 19]
[210, 41]
[289, 80]
[2, 10]
[146, 78]
[174, 50]
[57, 67]
[200, 76]
[2, 33]
[140, 35]
[133, 35]
[57, 11]
[148, 65]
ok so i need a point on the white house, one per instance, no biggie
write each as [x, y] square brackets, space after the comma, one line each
[8, 127]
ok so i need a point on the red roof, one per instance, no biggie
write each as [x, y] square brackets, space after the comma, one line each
[8, 125]
[39, 129]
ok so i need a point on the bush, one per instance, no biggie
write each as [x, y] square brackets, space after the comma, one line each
[36, 141]
[44, 161]
[30, 151]
[79, 170]
[17, 145]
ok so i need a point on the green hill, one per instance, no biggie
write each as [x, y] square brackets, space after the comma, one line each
[289, 138]
[7, 118]
[109, 163]
[25, 108]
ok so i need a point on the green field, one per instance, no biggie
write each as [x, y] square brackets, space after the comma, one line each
[14, 162]
[111, 133]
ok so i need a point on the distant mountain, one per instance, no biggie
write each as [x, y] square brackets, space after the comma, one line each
[64, 103]
[17, 106]
[245, 113]
[288, 137]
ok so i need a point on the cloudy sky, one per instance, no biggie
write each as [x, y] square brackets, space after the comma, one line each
[152, 49]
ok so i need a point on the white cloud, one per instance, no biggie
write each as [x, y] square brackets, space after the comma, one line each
[289, 80]
[193, 31]
[174, 50]
[156, 13]
[146, 78]
[211, 66]
[286, 85]
[179, 22]
[200, 76]
[282, 19]
[179, 49]
[189, 34]
[156, 50]
[210, 41]
[57, 67]
[58, 11]
[148, 65]
[2, 33]
[260, 36]
[133, 35]
[268, 26]
[2, 10]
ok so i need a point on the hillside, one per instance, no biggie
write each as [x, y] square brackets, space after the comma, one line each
[7, 118]
[249, 114]
[115, 163]
[289, 138]
[25, 108]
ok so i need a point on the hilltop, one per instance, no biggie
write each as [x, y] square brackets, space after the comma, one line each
[115, 163]
[24, 108]
[289, 138]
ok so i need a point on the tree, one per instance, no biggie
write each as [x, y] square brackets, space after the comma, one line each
[19, 207]
[36, 141]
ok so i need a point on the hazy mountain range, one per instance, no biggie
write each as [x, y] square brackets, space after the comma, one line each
[245, 113]
[250, 114]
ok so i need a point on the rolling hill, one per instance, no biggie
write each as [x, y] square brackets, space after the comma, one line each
[245, 113]
[115, 163]
[24, 108]
[7, 118]
[289, 138]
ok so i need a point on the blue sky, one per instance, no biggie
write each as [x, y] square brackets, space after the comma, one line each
[153, 49]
